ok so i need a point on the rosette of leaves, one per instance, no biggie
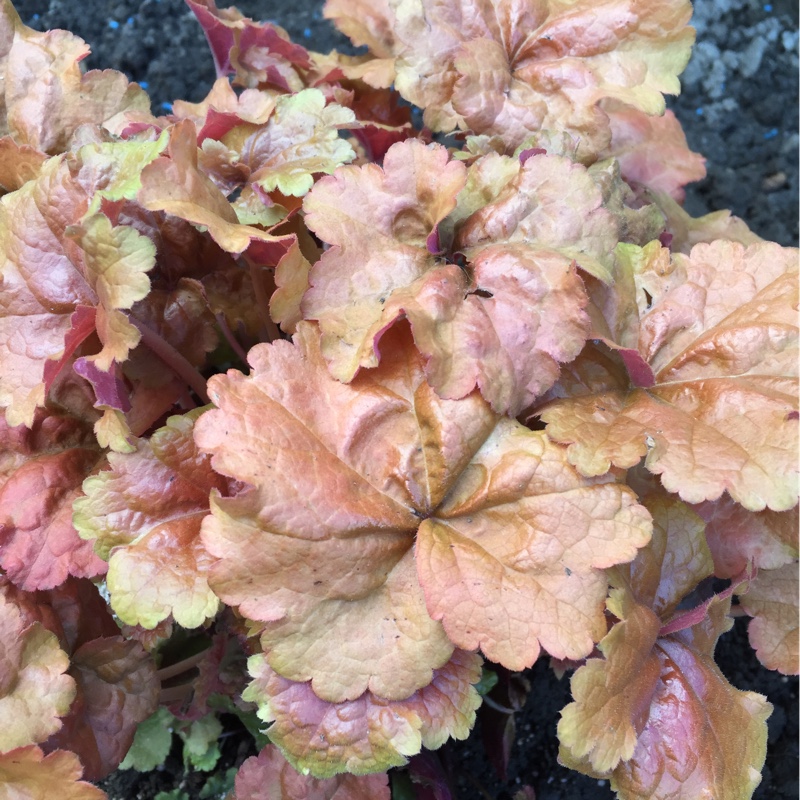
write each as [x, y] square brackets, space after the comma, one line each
[383, 527]
[509, 69]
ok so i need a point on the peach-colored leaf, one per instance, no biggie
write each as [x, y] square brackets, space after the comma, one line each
[368, 734]
[503, 323]
[378, 222]
[675, 561]
[719, 332]
[515, 68]
[144, 516]
[174, 184]
[18, 164]
[28, 774]
[344, 477]
[34, 687]
[46, 96]
[619, 689]
[269, 776]
[772, 602]
[513, 558]
[737, 537]
[655, 715]
[117, 689]
[652, 151]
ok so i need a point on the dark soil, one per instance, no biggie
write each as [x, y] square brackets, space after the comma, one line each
[739, 108]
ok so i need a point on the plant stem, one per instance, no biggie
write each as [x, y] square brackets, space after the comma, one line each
[230, 338]
[165, 673]
[262, 301]
[173, 359]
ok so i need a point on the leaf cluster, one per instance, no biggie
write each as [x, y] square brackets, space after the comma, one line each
[308, 414]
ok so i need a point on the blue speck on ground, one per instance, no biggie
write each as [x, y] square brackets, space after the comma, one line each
[167, 107]
[129, 21]
[768, 8]
[113, 24]
[699, 112]
[143, 84]
[771, 134]
[307, 33]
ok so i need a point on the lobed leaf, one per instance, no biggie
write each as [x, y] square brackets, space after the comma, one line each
[368, 734]
[513, 70]
[144, 515]
[117, 689]
[46, 96]
[738, 537]
[655, 715]
[344, 477]
[269, 776]
[35, 690]
[719, 336]
[652, 150]
[772, 602]
[28, 774]
[506, 321]
[44, 468]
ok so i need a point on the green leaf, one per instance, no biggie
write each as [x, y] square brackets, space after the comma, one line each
[200, 749]
[151, 743]
[487, 682]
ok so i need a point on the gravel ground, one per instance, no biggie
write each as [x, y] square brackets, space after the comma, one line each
[739, 108]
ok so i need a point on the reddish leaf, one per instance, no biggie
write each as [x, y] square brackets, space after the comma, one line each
[368, 734]
[117, 689]
[269, 776]
[45, 468]
[652, 151]
[737, 537]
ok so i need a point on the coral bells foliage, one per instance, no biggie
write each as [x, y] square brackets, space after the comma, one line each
[312, 419]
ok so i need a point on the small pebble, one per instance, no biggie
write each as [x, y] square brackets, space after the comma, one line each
[113, 24]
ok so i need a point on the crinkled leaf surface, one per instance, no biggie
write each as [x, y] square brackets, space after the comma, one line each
[144, 515]
[737, 537]
[300, 139]
[772, 602]
[29, 774]
[43, 469]
[656, 716]
[34, 687]
[510, 541]
[45, 95]
[174, 184]
[61, 259]
[506, 321]
[368, 734]
[710, 393]
[117, 689]
[269, 776]
[514, 68]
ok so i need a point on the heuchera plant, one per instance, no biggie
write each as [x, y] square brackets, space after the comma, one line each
[323, 420]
